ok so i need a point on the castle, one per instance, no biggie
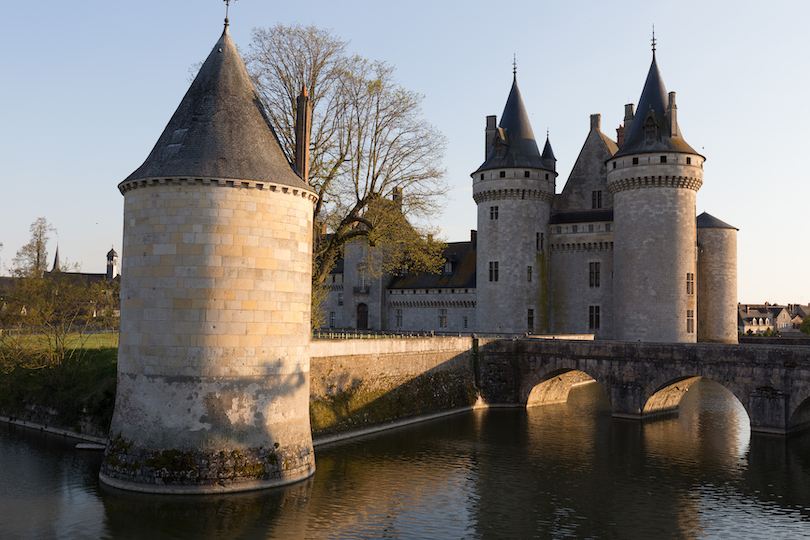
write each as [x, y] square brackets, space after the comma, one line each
[619, 253]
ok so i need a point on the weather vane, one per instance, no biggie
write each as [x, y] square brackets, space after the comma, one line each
[514, 65]
[653, 39]
[228, 5]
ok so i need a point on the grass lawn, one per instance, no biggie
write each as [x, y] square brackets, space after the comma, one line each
[82, 386]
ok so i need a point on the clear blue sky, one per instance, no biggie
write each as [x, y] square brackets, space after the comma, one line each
[87, 88]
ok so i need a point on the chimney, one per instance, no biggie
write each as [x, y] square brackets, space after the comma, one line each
[620, 136]
[474, 239]
[628, 117]
[489, 137]
[596, 122]
[672, 117]
[303, 129]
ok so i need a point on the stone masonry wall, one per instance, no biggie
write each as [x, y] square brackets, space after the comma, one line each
[360, 383]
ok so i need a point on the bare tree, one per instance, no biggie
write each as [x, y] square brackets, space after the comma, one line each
[368, 142]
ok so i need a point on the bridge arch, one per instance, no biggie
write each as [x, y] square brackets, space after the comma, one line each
[663, 394]
[554, 385]
[799, 418]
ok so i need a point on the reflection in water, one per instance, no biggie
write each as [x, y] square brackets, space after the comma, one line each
[546, 472]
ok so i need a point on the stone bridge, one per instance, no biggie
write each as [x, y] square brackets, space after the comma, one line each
[646, 379]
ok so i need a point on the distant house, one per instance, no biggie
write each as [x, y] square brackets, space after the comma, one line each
[760, 317]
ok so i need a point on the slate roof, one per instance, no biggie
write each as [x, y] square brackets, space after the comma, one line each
[708, 221]
[652, 103]
[220, 129]
[515, 145]
[462, 257]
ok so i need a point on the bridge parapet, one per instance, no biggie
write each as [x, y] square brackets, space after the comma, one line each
[643, 379]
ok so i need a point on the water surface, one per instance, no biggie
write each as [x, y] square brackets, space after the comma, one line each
[559, 471]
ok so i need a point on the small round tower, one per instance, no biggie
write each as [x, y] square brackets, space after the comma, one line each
[213, 360]
[716, 280]
[654, 178]
[513, 189]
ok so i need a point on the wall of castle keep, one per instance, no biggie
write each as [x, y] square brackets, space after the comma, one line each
[215, 306]
[510, 240]
[717, 285]
[426, 310]
[572, 293]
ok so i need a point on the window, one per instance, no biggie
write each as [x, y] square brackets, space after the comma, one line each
[399, 318]
[690, 283]
[663, 159]
[614, 164]
[448, 267]
[593, 317]
[635, 161]
[493, 212]
[539, 240]
[464, 322]
[607, 227]
[526, 174]
[690, 321]
[530, 320]
[362, 280]
[596, 199]
[442, 318]
[493, 271]
[340, 299]
[593, 274]
[590, 228]
[503, 174]
[559, 230]
[688, 161]
[331, 319]
[546, 176]
[529, 274]
[482, 176]
[574, 228]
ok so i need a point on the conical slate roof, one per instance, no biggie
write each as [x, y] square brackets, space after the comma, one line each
[515, 145]
[548, 153]
[708, 221]
[652, 106]
[220, 129]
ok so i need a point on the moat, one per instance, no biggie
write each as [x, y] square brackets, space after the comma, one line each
[547, 472]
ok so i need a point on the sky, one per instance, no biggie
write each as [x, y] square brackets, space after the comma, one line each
[86, 89]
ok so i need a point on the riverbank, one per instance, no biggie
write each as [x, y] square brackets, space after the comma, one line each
[357, 387]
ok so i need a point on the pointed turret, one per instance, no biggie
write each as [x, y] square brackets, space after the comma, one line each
[513, 143]
[548, 153]
[654, 126]
[220, 129]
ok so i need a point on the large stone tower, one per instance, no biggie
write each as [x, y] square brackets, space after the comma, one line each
[513, 189]
[213, 362]
[654, 178]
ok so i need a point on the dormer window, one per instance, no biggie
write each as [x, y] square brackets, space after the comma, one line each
[650, 129]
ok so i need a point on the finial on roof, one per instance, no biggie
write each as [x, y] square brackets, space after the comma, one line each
[227, 5]
[514, 66]
[653, 41]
